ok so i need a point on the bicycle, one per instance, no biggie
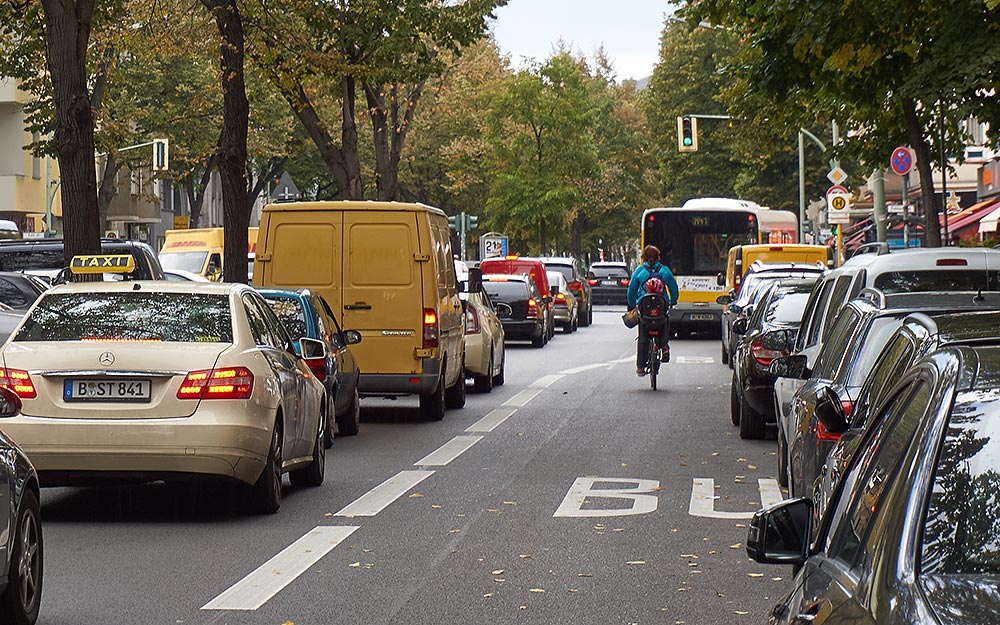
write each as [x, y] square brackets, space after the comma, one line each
[653, 309]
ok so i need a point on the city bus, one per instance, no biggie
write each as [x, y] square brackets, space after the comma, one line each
[694, 241]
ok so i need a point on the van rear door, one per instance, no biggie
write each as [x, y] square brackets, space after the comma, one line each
[303, 249]
[383, 295]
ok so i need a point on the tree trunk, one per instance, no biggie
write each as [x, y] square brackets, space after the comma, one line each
[108, 189]
[196, 197]
[390, 134]
[274, 165]
[932, 227]
[67, 35]
[233, 139]
[576, 236]
[349, 144]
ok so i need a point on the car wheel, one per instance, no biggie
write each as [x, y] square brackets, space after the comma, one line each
[498, 378]
[585, 318]
[782, 459]
[725, 354]
[20, 600]
[332, 427]
[539, 341]
[484, 383]
[313, 474]
[349, 423]
[455, 396]
[432, 405]
[267, 490]
[751, 423]
[734, 402]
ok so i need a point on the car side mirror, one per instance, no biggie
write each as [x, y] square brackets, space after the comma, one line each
[740, 325]
[10, 403]
[553, 291]
[779, 340]
[790, 367]
[353, 337]
[830, 411]
[780, 534]
[720, 279]
[591, 275]
[475, 281]
[724, 300]
[312, 348]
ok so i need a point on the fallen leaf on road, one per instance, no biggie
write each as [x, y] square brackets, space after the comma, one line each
[355, 565]
[636, 562]
[536, 590]
[488, 595]
[524, 556]
[755, 575]
[435, 506]
[736, 546]
[415, 495]
[584, 575]
[740, 612]
[497, 572]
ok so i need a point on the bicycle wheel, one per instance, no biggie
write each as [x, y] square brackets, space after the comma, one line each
[654, 361]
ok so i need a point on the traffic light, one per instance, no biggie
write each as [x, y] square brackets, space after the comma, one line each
[161, 155]
[687, 134]
[471, 222]
[453, 222]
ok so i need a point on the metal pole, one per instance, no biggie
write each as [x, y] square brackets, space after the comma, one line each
[878, 189]
[944, 174]
[906, 211]
[802, 183]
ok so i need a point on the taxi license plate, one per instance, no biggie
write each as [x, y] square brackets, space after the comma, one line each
[701, 317]
[107, 390]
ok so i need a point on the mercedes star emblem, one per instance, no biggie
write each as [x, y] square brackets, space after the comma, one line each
[107, 359]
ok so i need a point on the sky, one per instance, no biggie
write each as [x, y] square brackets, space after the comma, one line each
[628, 29]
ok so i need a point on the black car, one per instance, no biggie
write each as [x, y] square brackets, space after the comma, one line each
[20, 527]
[46, 255]
[519, 306]
[20, 290]
[911, 532]
[609, 283]
[578, 284]
[766, 335]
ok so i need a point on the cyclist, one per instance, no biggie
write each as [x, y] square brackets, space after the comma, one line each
[651, 268]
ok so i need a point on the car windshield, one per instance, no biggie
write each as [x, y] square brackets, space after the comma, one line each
[125, 316]
[938, 280]
[291, 313]
[506, 290]
[786, 307]
[188, 261]
[565, 270]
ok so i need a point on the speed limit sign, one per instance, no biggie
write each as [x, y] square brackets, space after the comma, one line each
[838, 208]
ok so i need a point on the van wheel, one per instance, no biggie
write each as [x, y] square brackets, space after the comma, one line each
[484, 383]
[432, 405]
[455, 396]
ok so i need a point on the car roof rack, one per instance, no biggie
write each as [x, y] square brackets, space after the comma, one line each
[873, 295]
[879, 248]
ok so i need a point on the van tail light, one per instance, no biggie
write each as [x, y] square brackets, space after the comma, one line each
[471, 321]
[318, 367]
[763, 356]
[592, 282]
[225, 383]
[532, 308]
[18, 381]
[560, 298]
[431, 333]
[575, 286]
[824, 434]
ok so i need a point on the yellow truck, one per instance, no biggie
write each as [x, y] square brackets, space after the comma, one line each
[199, 250]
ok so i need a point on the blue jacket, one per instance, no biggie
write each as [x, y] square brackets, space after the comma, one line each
[637, 285]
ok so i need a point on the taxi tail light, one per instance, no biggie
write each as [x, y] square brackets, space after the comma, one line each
[763, 356]
[318, 367]
[431, 333]
[561, 298]
[824, 434]
[532, 308]
[576, 286]
[592, 282]
[225, 383]
[18, 381]
[471, 321]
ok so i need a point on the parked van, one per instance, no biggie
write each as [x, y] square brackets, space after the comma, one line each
[535, 269]
[742, 256]
[386, 269]
[199, 250]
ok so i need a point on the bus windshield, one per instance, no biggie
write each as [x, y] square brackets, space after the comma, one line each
[696, 242]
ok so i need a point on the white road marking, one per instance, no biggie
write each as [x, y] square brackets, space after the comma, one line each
[637, 492]
[492, 420]
[695, 360]
[703, 496]
[522, 398]
[622, 360]
[258, 587]
[581, 369]
[378, 499]
[448, 452]
[546, 381]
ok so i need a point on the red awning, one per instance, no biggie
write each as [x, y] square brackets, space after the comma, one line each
[969, 217]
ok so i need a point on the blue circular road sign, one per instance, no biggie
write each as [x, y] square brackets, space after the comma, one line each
[902, 160]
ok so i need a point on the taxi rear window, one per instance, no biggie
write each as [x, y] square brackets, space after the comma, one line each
[130, 316]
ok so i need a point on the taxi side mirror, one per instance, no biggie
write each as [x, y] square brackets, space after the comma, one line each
[353, 337]
[312, 349]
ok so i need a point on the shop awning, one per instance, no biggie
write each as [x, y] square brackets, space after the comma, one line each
[989, 222]
[969, 217]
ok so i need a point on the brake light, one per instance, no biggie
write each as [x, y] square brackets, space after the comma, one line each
[226, 383]
[18, 381]
[532, 308]
[575, 286]
[430, 328]
[824, 434]
[560, 297]
[625, 282]
[108, 339]
[471, 321]
[592, 282]
[318, 367]
[763, 356]
[776, 248]
[952, 262]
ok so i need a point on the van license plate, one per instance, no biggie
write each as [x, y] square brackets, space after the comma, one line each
[106, 390]
[701, 317]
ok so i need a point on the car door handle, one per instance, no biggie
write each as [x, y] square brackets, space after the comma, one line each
[358, 306]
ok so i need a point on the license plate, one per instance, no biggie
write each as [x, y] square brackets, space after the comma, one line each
[701, 317]
[610, 283]
[106, 390]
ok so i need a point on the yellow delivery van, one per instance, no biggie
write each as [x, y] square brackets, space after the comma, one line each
[742, 256]
[386, 269]
[199, 250]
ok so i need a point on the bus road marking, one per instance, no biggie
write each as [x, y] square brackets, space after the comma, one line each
[703, 496]
[639, 491]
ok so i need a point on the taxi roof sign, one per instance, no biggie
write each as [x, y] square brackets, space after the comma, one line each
[103, 263]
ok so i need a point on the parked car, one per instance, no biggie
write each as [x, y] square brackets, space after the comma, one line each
[519, 306]
[20, 290]
[20, 526]
[609, 282]
[910, 534]
[306, 314]
[578, 283]
[181, 275]
[152, 380]
[46, 256]
[567, 310]
[485, 355]
[766, 335]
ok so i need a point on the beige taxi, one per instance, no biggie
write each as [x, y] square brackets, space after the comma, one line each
[140, 380]
[485, 357]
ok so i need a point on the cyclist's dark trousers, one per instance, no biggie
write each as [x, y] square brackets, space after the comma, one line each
[642, 349]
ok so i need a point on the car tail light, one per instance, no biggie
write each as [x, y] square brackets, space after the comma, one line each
[575, 286]
[776, 248]
[848, 407]
[318, 367]
[592, 282]
[561, 298]
[625, 282]
[431, 333]
[824, 434]
[226, 383]
[763, 356]
[532, 308]
[18, 381]
[952, 262]
[471, 321]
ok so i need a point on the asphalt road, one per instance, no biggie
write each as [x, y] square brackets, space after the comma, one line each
[572, 494]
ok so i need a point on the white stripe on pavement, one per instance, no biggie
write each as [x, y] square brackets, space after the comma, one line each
[492, 420]
[378, 499]
[695, 360]
[258, 587]
[522, 398]
[546, 381]
[448, 452]
[702, 504]
[581, 369]
[770, 492]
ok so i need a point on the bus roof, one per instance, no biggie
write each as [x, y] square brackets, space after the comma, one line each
[720, 202]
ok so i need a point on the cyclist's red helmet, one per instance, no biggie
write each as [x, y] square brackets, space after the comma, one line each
[654, 285]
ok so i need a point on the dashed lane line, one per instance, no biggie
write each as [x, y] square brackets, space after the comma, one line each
[492, 420]
[546, 381]
[378, 499]
[268, 579]
[448, 452]
[522, 398]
